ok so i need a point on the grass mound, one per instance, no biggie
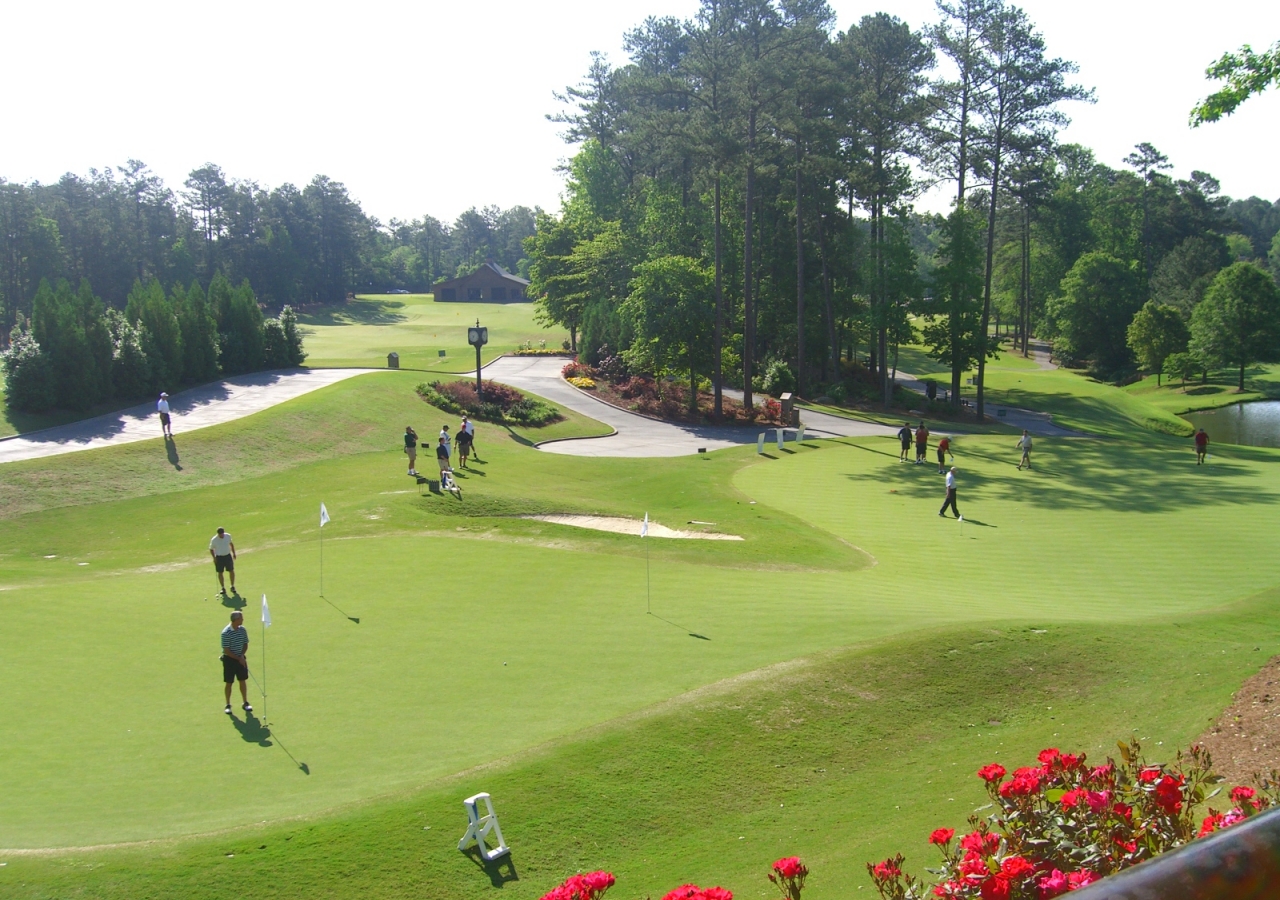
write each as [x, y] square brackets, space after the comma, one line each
[499, 403]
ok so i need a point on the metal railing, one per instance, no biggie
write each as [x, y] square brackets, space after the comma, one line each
[1238, 863]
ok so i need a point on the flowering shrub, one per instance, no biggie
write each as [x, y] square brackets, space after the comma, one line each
[772, 409]
[1062, 825]
[590, 886]
[577, 369]
[499, 403]
[789, 875]
[693, 892]
[587, 384]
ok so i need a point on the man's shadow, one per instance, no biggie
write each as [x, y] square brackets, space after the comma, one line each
[171, 449]
[500, 870]
[252, 731]
[233, 600]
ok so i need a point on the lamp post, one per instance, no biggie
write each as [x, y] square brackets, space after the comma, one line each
[477, 337]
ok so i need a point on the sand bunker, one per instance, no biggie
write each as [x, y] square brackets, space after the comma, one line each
[619, 525]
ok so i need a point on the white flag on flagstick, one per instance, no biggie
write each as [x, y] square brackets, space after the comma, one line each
[644, 529]
[266, 613]
[324, 516]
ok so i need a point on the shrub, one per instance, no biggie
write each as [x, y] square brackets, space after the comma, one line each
[612, 366]
[540, 351]
[778, 379]
[577, 369]
[499, 403]
[1062, 824]
[638, 387]
[28, 373]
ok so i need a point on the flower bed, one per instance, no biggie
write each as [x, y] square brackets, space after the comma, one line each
[500, 403]
[541, 351]
[667, 400]
[787, 875]
[1062, 824]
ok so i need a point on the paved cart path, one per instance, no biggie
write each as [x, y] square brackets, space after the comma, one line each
[210, 404]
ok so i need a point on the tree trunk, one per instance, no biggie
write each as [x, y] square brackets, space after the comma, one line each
[748, 267]
[717, 350]
[1242, 376]
[799, 282]
[573, 338]
[986, 281]
[833, 348]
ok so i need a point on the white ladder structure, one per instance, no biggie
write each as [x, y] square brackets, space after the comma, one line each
[480, 827]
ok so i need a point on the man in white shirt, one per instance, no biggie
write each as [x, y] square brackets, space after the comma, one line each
[162, 407]
[448, 441]
[1024, 444]
[470, 428]
[951, 495]
[223, 551]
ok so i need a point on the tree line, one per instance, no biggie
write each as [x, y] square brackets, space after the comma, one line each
[295, 246]
[742, 201]
[76, 351]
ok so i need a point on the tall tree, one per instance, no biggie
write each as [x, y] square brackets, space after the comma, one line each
[1238, 323]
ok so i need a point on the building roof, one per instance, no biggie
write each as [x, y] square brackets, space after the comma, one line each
[493, 267]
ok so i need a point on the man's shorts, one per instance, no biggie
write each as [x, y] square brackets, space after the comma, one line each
[224, 563]
[233, 669]
[164, 419]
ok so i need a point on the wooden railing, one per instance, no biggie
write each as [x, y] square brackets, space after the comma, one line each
[1238, 863]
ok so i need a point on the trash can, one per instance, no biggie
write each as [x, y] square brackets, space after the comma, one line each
[393, 360]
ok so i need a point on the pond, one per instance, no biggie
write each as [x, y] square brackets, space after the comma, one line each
[1256, 424]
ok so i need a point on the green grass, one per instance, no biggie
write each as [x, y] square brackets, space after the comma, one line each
[364, 331]
[1262, 382]
[916, 635]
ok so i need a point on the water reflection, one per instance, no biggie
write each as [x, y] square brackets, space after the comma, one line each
[1256, 424]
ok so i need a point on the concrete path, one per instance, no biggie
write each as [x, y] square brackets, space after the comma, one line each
[639, 436]
[212, 404]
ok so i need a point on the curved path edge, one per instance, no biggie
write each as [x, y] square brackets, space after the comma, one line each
[200, 407]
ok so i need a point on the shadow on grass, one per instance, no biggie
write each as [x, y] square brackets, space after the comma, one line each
[500, 871]
[1095, 474]
[233, 600]
[171, 450]
[357, 312]
[692, 634]
[252, 731]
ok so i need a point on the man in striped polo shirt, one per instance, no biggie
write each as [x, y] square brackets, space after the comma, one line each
[235, 665]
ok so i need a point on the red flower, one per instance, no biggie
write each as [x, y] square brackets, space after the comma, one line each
[1025, 782]
[1071, 799]
[716, 893]
[1102, 773]
[1077, 880]
[1051, 885]
[996, 887]
[1048, 756]
[1150, 774]
[982, 844]
[948, 889]
[1169, 794]
[991, 773]
[942, 836]
[1242, 795]
[1123, 811]
[973, 866]
[684, 892]
[590, 886]
[1211, 823]
[1070, 762]
[790, 867]
[1127, 846]
[1015, 867]
[1097, 800]
[887, 869]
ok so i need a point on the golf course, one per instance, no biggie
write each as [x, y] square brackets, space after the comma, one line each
[671, 710]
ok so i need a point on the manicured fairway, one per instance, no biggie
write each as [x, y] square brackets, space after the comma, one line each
[364, 331]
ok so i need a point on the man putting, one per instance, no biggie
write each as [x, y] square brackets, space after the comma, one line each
[1024, 444]
[223, 551]
[162, 407]
[235, 665]
[951, 495]
[904, 437]
[1202, 446]
[944, 447]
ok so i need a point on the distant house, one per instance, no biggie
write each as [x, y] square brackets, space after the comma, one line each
[489, 284]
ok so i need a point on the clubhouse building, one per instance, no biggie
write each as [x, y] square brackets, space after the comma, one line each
[489, 284]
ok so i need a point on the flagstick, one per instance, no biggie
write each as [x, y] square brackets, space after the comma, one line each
[264, 669]
[647, 592]
[321, 559]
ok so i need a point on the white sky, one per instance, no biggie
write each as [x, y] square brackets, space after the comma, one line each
[430, 107]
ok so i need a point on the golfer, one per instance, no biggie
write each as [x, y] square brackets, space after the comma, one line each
[411, 448]
[223, 551]
[904, 436]
[944, 447]
[922, 444]
[1202, 446]
[235, 665]
[464, 445]
[162, 407]
[444, 436]
[1024, 444]
[951, 495]
[442, 456]
[470, 428]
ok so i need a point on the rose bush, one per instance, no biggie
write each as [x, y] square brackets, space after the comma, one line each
[499, 403]
[1061, 825]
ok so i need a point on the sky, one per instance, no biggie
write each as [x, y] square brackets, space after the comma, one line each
[431, 107]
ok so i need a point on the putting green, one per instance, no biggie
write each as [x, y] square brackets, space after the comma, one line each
[363, 331]
[113, 670]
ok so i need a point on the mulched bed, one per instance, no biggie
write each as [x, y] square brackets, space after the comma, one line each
[1245, 741]
[639, 394]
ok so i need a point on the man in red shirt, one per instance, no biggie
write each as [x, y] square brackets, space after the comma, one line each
[944, 446]
[1202, 446]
